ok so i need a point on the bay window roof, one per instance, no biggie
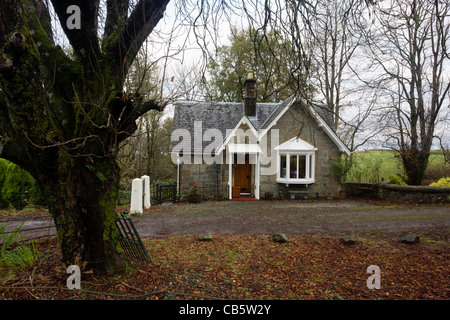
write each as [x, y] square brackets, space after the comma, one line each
[295, 144]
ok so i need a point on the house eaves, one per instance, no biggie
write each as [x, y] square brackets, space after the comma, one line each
[330, 132]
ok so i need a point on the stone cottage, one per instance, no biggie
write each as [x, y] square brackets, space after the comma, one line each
[257, 150]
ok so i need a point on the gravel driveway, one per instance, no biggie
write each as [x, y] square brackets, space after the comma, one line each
[265, 217]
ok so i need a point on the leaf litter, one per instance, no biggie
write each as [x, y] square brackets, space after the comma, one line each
[249, 267]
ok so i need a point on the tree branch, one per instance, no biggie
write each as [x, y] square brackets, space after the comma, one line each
[84, 41]
[12, 150]
[141, 22]
[127, 125]
[116, 16]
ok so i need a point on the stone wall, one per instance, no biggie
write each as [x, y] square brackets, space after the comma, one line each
[398, 193]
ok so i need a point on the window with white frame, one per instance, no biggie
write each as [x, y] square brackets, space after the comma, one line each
[295, 159]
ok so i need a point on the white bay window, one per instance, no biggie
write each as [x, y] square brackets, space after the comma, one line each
[296, 160]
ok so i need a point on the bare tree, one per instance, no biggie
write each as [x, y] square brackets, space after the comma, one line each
[286, 18]
[333, 41]
[409, 47]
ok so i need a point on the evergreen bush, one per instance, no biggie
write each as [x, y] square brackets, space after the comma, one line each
[11, 190]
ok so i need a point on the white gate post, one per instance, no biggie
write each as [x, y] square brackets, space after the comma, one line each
[136, 197]
[147, 203]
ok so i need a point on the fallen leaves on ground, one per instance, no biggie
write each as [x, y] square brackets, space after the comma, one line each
[249, 267]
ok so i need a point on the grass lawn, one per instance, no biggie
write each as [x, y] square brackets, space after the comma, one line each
[250, 267]
[375, 165]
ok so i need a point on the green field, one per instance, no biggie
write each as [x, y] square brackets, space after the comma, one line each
[377, 165]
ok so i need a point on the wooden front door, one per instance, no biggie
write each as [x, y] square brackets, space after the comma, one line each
[242, 175]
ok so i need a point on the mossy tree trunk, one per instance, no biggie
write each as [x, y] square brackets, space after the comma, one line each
[82, 203]
[415, 163]
[62, 118]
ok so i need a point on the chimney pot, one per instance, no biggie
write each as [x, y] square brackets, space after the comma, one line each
[250, 74]
[249, 96]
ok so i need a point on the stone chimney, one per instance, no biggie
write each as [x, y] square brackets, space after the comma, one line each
[249, 95]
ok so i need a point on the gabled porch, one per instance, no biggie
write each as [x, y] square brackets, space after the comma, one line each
[244, 171]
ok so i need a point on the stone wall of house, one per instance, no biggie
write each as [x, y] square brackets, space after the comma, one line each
[293, 122]
[212, 180]
[398, 193]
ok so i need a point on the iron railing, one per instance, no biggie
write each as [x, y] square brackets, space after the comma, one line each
[129, 239]
[166, 193]
[159, 193]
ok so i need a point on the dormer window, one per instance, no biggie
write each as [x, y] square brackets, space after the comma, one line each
[296, 159]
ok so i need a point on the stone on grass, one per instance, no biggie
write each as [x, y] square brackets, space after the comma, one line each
[279, 237]
[205, 237]
[348, 241]
[410, 239]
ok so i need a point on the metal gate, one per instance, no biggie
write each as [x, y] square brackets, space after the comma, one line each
[166, 193]
[129, 239]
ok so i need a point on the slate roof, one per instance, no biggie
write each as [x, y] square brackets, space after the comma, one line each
[276, 112]
[322, 110]
[225, 116]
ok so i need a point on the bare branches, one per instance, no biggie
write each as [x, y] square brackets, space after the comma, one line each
[333, 42]
[409, 45]
[263, 19]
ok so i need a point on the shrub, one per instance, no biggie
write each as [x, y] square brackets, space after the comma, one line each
[12, 186]
[397, 180]
[341, 167]
[369, 167]
[443, 182]
[193, 190]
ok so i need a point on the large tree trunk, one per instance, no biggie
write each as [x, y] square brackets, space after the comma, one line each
[82, 203]
[62, 118]
[415, 163]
